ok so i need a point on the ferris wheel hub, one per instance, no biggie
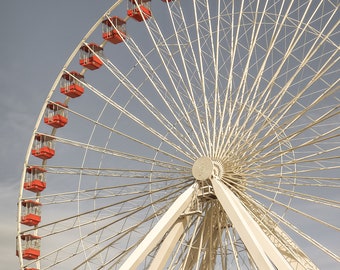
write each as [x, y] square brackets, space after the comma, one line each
[205, 168]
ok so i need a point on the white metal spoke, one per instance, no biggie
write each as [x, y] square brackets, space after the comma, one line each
[175, 75]
[195, 135]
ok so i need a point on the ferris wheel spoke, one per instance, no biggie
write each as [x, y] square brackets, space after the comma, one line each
[204, 127]
[290, 180]
[290, 208]
[313, 141]
[228, 95]
[283, 127]
[245, 130]
[255, 87]
[138, 121]
[189, 64]
[267, 165]
[294, 194]
[233, 244]
[97, 123]
[73, 222]
[293, 254]
[118, 173]
[162, 90]
[305, 177]
[282, 112]
[300, 162]
[134, 89]
[219, 114]
[286, 124]
[299, 130]
[205, 55]
[217, 96]
[174, 73]
[292, 45]
[117, 236]
[241, 92]
[77, 243]
[110, 191]
[302, 234]
[129, 114]
[113, 152]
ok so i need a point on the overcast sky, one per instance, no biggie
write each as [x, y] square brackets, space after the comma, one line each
[36, 39]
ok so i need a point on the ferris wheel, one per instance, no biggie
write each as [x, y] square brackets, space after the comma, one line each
[190, 135]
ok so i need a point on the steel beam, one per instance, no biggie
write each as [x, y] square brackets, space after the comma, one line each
[157, 233]
[262, 250]
[169, 244]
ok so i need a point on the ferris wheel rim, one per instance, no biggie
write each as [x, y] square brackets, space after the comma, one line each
[157, 151]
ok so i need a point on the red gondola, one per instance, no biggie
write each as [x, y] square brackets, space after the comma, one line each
[30, 246]
[43, 147]
[55, 114]
[71, 84]
[30, 214]
[90, 56]
[35, 179]
[114, 30]
[140, 10]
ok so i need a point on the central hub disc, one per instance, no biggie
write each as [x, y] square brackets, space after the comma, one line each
[203, 168]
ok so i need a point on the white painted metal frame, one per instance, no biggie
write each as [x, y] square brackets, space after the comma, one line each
[160, 229]
[229, 110]
[262, 250]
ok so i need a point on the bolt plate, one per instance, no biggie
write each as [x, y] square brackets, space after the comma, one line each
[203, 168]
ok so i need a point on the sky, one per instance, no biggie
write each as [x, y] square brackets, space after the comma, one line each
[37, 37]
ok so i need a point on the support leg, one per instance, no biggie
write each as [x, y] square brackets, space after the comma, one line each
[161, 228]
[262, 250]
[169, 243]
